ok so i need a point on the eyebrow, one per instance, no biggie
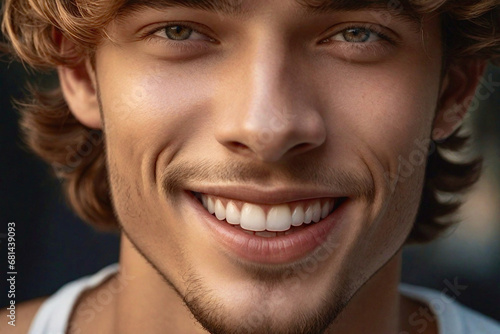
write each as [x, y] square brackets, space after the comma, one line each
[397, 8]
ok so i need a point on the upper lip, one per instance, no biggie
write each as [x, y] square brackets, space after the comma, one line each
[265, 195]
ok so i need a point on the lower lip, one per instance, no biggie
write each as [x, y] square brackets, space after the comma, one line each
[274, 250]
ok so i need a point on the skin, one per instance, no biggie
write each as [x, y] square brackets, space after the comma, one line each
[266, 96]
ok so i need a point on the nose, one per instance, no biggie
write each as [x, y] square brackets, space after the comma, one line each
[267, 113]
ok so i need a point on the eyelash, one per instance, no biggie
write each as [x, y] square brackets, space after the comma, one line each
[386, 40]
[186, 45]
[183, 45]
[369, 27]
[365, 50]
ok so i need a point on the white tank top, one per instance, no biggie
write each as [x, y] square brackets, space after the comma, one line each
[452, 318]
[53, 316]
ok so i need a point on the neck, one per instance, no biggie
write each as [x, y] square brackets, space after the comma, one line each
[375, 308]
[147, 304]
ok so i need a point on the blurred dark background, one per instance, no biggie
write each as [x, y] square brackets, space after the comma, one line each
[55, 247]
[52, 245]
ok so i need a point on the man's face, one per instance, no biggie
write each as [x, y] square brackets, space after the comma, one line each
[270, 111]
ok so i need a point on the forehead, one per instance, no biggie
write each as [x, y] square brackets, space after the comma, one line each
[238, 7]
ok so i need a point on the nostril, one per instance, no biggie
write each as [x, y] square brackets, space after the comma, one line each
[237, 145]
[302, 147]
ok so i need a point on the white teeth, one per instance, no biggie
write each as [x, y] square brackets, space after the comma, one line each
[279, 218]
[308, 215]
[232, 214]
[220, 211]
[253, 217]
[210, 205]
[316, 212]
[298, 216]
[325, 210]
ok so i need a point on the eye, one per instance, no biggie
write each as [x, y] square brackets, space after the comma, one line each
[360, 35]
[178, 40]
[179, 32]
[357, 35]
[361, 42]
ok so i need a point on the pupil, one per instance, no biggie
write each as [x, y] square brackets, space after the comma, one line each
[178, 32]
[357, 35]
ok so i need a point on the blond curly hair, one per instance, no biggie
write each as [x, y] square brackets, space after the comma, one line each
[471, 29]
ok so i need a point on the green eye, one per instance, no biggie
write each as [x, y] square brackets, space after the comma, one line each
[178, 32]
[357, 35]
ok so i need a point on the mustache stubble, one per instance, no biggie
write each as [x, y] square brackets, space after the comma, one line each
[177, 175]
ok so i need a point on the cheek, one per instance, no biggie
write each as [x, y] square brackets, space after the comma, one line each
[148, 115]
[150, 109]
[387, 109]
[383, 115]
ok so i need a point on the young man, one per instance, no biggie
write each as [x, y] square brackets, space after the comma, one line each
[251, 154]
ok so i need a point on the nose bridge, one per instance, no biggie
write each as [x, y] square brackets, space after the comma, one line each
[268, 116]
[267, 106]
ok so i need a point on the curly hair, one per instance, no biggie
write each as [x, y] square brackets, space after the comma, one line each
[471, 30]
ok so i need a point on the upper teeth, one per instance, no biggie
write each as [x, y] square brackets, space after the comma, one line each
[278, 218]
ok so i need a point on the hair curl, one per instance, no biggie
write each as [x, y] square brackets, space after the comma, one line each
[471, 29]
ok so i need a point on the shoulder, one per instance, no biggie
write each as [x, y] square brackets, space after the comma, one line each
[51, 314]
[474, 322]
[451, 316]
[22, 316]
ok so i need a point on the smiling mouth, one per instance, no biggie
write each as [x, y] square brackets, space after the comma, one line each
[269, 220]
